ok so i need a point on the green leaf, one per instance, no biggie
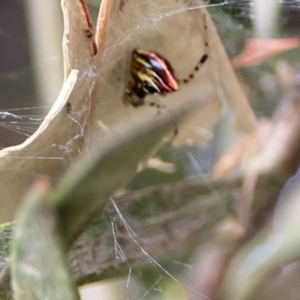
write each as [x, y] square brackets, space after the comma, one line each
[87, 187]
[38, 266]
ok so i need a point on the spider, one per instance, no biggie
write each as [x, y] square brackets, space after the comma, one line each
[153, 74]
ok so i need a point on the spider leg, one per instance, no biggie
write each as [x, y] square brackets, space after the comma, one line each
[203, 58]
[156, 103]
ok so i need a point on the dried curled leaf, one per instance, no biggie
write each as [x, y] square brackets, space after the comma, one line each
[50, 150]
[157, 26]
[259, 50]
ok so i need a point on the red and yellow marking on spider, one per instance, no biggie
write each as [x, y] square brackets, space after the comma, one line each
[153, 74]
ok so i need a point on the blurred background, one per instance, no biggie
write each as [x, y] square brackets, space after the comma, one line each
[31, 76]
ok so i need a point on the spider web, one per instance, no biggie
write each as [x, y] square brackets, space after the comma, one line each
[22, 113]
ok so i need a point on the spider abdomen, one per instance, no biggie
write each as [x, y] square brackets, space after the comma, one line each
[153, 72]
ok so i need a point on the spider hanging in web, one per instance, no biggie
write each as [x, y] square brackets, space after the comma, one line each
[153, 74]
